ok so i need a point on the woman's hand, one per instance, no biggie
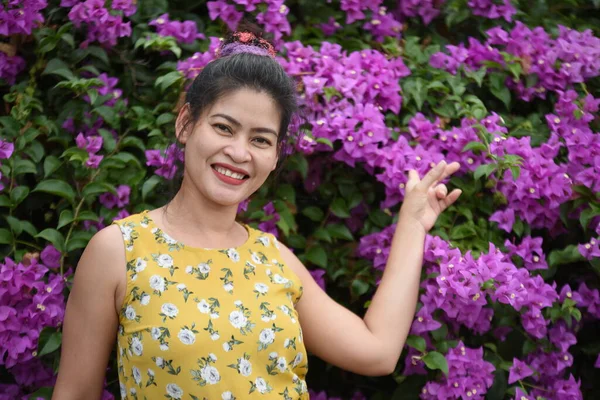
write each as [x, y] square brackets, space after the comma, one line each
[425, 199]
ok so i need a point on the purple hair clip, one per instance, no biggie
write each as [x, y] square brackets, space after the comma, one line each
[237, 48]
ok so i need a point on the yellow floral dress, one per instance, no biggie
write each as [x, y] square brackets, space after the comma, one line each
[208, 323]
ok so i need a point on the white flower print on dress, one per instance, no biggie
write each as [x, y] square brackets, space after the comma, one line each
[123, 390]
[204, 268]
[228, 287]
[227, 396]
[244, 367]
[281, 364]
[159, 362]
[260, 289]
[157, 283]
[168, 310]
[256, 259]
[189, 269]
[137, 375]
[237, 319]
[261, 385]
[145, 299]
[174, 391]
[137, 347]
[280, 279]
[297, 360]
[186, 336]
[164, 346]
[210, 374]
[164, 261]
[155, 333]
[181, 286]
[140, 265]
[266, 336]
[273, 355]
[263, 240]
[233, 255]
[130, 313]
[204, 307]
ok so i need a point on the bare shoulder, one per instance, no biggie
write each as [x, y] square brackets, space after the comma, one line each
[103, 262]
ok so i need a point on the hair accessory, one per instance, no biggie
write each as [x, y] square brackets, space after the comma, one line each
[246, 42]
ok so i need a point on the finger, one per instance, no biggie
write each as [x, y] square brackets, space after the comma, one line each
[450, 170]
[450, 199]
[413, 179]
[441, 191]
[433, 175]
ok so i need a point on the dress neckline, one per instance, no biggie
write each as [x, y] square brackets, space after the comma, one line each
[153, 224]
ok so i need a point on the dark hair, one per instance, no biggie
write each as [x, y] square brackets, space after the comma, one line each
[262, 73]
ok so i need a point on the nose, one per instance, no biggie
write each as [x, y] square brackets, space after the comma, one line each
[238, 150]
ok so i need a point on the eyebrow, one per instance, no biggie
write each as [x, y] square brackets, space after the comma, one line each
[237, 124]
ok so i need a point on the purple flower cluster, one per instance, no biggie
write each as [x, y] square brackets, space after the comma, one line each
[541, 187]
[273, 19]
[31, 299]
[381, 23]
[556, 63]
[6, 151]
[426, 9]
[550, 367]
[571, 123]
[270, 225]
[91, 144]
[165, 161]
[103, 25]
[491, 9]
[20, 17]
[469, 376]
[192, 66]
[184, 32]
[10, 67]
[120, 200]
[463, 284]
[356, 101]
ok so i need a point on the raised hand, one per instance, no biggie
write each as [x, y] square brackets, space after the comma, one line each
[426, 198]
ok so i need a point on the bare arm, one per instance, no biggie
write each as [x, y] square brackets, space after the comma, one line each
[91, 320]
[372, 345]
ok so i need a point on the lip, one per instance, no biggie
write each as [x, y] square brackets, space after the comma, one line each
[232, 168]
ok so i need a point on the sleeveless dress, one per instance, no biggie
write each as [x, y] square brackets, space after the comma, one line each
[208, 323]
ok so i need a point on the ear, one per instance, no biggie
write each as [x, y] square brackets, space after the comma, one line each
[183, 124]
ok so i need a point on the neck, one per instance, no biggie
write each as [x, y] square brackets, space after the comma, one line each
[190, 211]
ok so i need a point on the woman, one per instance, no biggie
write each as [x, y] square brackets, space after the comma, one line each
[206, 308]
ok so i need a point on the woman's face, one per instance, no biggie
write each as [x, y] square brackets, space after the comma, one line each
[232, 148]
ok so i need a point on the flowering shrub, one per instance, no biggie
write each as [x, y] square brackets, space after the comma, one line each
[509, 304]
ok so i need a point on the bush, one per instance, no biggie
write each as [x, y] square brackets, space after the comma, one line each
[509, 305]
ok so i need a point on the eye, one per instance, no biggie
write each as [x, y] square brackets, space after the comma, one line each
[262, 141]
[223, 128]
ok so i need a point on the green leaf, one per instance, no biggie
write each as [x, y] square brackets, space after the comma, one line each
[441, 333]
[132, 141]
[29, 228]
[57, 66]
[56, 187]
[568, 255]
[359, 287]
[15, 225]
[149, 185]
[317, 256]
[484, 169]
[164, 119]
[43, 392]
[476, 147]
[6, 236]
[339, 208]
[4, 201]
[339, 231]
[416, 342]
[65, 218]
[435, 360]
[18, 194]
[54, 237]
[322, 234]
[49, 342]
[87, 216]
[314, 213]
[108, 140]
[287, 193]
[325, 141]
[25, 167]
[515, 170]
[94, 188]
[165, 81]
[108, 114]
[499, 89]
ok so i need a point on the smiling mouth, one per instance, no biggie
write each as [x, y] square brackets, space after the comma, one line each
[229, 173]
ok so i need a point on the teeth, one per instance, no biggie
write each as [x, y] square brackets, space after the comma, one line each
[230, 173]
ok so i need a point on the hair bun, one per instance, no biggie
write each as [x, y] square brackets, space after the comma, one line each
[246, 40]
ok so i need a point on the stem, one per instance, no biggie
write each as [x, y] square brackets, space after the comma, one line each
[35, 246]
[78, 208]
